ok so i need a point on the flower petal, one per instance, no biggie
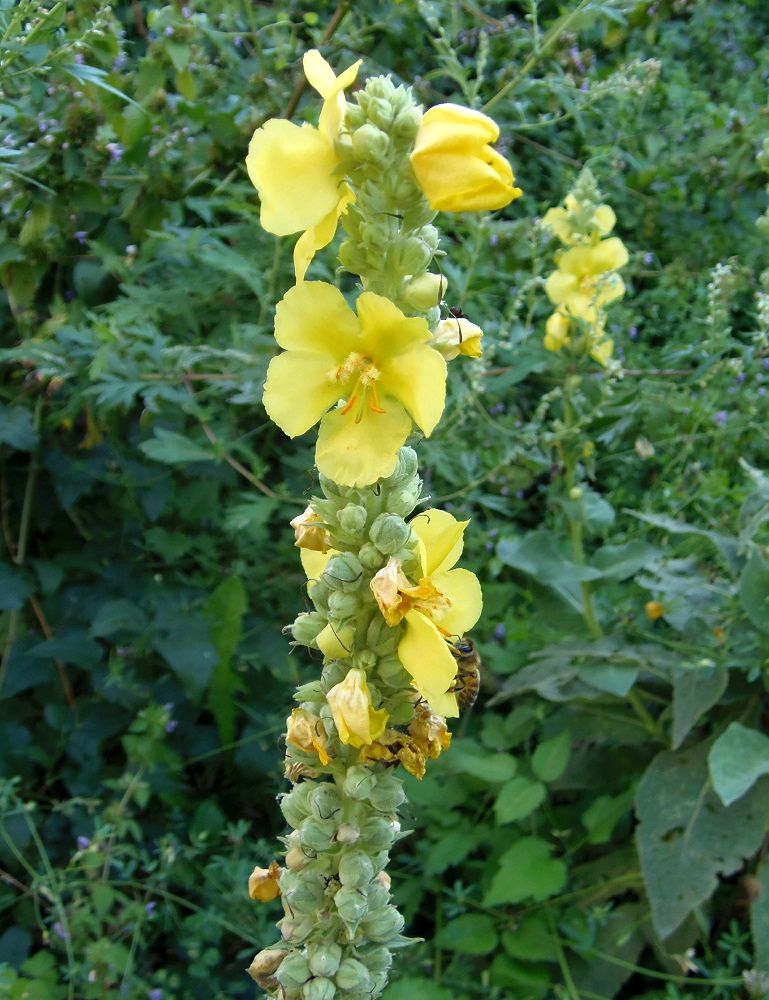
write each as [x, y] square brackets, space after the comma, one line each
[319, 236]
[418, 379]
[560, 286]
[313, 562]
[357, 454]
[334, 644]
[384, 328]
[442, 536]
[313, 316]
[464, 591]
[293, 169]
[425, 655]
[298, 392]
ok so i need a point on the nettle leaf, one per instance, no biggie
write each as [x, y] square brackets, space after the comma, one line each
[737, 759]
[694, 692]
[470, 934]
[754, 591]
[686, 838]
[175, 449]
[526, 871]
[518, 799]
[452, 849]
[551, 757]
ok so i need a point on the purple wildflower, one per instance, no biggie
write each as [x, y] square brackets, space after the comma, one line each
[168, 31]
[115, 151]
[186, 12]
[79, 58]
[648, 258]
[81, 236]
[58, 930]
[499, 632]
[82, 843]
[150, 907]
[633, 332]
[720, 417]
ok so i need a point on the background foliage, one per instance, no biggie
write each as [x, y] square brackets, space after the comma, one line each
[599, 828]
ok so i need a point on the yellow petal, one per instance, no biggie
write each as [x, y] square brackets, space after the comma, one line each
[556, 331]
[418, 379]
[313, 316]
[357, 721]
[604, 219]
[293, 169]
[385, 329]
[560, 286]
[318, 72]
[442, 536]
[608, 255]
[336, 644]
[313, 563]
[357, 454]
[319, 236]
[298, 392]
[425, 655]
[330, 87]
[464, 591]
[444, 704]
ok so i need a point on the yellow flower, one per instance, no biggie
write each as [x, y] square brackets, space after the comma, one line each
[585, 280]
[457, 335]
[305, 732]
[295, 168]
[263, 883]
[310, 531]
[357, 721]
[570, 228]
[557, 335]
[556, 331]
[456, 167]
[445, 602]
[378, 362]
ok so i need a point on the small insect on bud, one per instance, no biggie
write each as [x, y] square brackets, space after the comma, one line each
[263, 883]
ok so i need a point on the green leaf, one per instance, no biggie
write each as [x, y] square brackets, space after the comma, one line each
[118, 616]
[451, 850]
[16, 428]
[737, 759]
[175, 449]
[526, 871]
[531, 940]
[224, 612]
[694, 692]
[470, 934]
[609, 677]
[754, 591]
[686, 837]
[414, 986]
[551, 757]
[189, 652]
[759, 918]
[15, 587]
[597, 512]
[518, 799]
[603, 814]
[618, 562]
[493, 768]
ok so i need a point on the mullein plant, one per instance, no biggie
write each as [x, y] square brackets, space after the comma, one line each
[388, 599]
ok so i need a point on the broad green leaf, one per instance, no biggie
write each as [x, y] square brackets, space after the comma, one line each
[737, 759]
[16, 428]
[597, 512]
[538, 555]
[612, 678]
[118, 616]
[493, 768]
[71, 646]
[15, 587]
[413, 986]
[618, 562]
[470, 934]
[531, 940]
[754, 591]
[603, 814]
[224, 612]
[189, 652]
[521, 981]
[175, 449]
[759, 918]
[551, 757]
[686, 838]
[452, 849]
[694, 692]
[526, 871]
[517, 799]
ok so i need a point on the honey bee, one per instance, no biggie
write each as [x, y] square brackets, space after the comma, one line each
[468, 677]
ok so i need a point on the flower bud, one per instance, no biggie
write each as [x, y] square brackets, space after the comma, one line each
[306, 628]
[316, 834]
[324, 800]
[303, 891]
[342, 606]
[352, 518]
[319, 989]
[406, 124]
[424, 291]
[296, 859]
[358, 782]
[411, 256]
[370, 142]
[389, 533]
[355, 868]
[324, 958]
[343, 572]
[405, 467]
[390, 669]
[263, 883]
[295, 804]
[378, 896]
[357, 722]
[383, 924]
[370, 556]
[310, 531]
[378, 833]
[403, 501]
[293, 971]
[387, 794]
[347, 833]
[335, 641]
[457, 335]
[264, 964]
[377, 959]
[353, 975]
[351, 904]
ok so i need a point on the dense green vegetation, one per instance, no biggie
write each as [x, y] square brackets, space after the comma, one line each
[599, 827]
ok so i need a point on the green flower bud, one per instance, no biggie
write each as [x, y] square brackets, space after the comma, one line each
[388, 793]
[297, 929]
[403, 501]
[377, 959]
[401, 709]
[378, 833]
[316, 834]
[389, 533]
[358, 782]
[343, 606]
[382, 924]
[309, 692]
[352, 518]
[353, 975]
[407, 123]
[303, 891]
[424, 291]
[370, 557]
[320, 594]
[306, 628]
[295, 805]
[351, 905]
[324, 958]
[293, 972]
[365, 660]
[405, 468]
[355, 868]
[324, 800]
[411, 256]
[347, 833]
[342, 572]
[370, 143]
[319, 989]
[332, 673]
[378, 896]
[432, 316]
[390, 669]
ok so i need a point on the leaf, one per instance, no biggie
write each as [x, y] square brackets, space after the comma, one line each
[451, 850]
[754, 591]
[15, 587]
[609, 677]
[16, 428]
[603, 814]
[526, 871]
[737, 759]
[189, 652]
[686, 837]
[538, 555]
[517, 799]
[694, 692]
[551, 757]
[470, 934]
[224, 612]
[96, 76]
[759, 918]
[531, 940]
[175, 449]
[72, 646]
[493, 768]
[413, 986]
[118, 616]
[618, 562]
[727, 546]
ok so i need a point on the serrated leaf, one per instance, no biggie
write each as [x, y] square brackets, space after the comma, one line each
[470, 934]
[736, 761]
[694, 692]
[175, 449]
[451, 850]
[518, 798]
[754, 591]
[15, 587]
[686, 838]
[526, 871]
[551, 757]
[531, 940]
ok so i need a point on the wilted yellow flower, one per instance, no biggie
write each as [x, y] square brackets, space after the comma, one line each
[456, 167]
[586, 280]
[305, 732]
[378, 362]
[570, 227]
[357, 721]
[457, 335]
[556, 331]
[295, 168]
[263, 883]
[310, 531]
[445, 602]
[654, 610]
